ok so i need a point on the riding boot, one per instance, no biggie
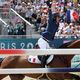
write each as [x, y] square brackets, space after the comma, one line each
[43, 61]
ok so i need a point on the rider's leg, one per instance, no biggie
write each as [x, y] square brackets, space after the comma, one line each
[43, 61]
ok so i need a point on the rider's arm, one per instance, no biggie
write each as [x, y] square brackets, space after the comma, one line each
[52, 26]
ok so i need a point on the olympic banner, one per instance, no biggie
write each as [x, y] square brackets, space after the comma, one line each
[28, 43]
[13, 43]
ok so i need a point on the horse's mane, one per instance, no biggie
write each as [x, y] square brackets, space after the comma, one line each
[65, 45]
[65, 58]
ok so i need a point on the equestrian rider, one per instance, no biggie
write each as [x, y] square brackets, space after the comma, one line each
[49, 34]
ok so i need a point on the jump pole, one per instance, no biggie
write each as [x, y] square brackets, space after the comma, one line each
[34, 52]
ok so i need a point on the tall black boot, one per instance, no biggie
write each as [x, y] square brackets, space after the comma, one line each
[43, 61]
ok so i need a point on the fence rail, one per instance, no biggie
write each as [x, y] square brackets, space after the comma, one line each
[37, 36]
[34, 52]
[4, 22]
[37, 70]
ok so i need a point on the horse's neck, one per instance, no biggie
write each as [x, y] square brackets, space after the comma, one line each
[66, 59]
[69, 57]
[75, 44]
[72, 44]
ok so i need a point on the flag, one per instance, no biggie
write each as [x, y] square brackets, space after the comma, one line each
[72, 16]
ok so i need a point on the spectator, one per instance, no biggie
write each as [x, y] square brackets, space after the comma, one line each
[29, 13]
[38, 22]
[24, 9]
[36, 13]
[18, 7]
[43, 22]
[12, 4]
[10, 29]
[34, 18]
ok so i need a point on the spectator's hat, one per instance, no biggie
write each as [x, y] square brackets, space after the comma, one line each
[28, 4]
[45, 9]
[44, 6]
[72, 16]
[71, 24]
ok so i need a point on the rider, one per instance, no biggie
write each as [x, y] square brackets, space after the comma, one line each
[48, 35]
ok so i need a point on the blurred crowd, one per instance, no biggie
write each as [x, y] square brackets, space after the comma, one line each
[36, 12]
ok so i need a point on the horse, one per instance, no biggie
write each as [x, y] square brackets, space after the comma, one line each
[0, 61]
[59, 61]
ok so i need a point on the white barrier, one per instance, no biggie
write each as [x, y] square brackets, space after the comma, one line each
[25, 52]
[21, 17]
[3, 21]
[37, 70]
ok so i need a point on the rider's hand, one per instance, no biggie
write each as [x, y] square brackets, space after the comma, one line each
[49, 3]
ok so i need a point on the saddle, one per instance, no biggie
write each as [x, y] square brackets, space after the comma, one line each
[43, 59]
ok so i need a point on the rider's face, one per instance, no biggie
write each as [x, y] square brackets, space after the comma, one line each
[57, 19]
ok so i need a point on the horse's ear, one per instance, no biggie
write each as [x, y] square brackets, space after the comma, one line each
[36, 46]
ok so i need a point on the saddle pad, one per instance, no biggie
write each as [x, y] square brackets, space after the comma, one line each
[34, 59]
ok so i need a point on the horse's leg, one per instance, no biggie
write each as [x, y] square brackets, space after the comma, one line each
[16, 77]
[68, 76]
[71, 76]
[76, 77]
[9, 63]
[2, 76]
[55, 76]
[19, 62]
